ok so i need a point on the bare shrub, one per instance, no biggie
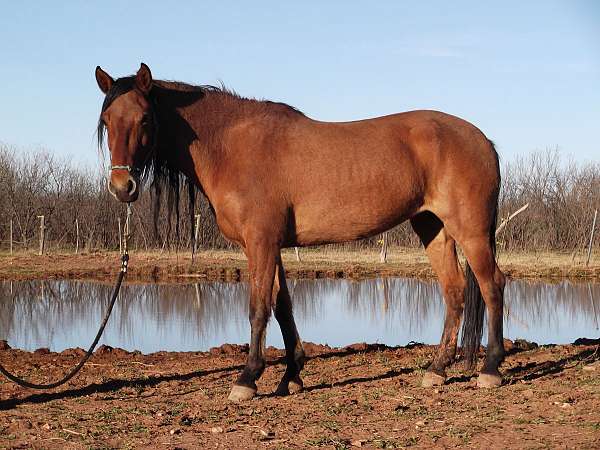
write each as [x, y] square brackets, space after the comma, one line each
[562, 197]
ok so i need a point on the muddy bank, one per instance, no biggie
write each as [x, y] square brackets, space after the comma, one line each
[359, 396]
[232, 266]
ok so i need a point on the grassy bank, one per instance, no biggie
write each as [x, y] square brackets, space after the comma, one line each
[315, 263]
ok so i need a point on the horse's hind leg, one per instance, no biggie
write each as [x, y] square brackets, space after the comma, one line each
[441, 250]
[480, 256]
[294, 352]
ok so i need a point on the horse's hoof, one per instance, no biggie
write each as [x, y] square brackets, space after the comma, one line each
[486, 380]
[432, 379]
[296, 386]
[282, 390]
[241, 393]
[289, 387]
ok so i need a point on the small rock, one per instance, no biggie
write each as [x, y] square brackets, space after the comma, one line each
[47, 426]
[359, 347]
[116, 351]
[528, 393]
[420, 423]
[104, 350]
[356, 443]
[524, 345]
[42, 351]
[78, 352]
[216, 430]
[234, 349]
[185, 420]
[266, 435]
[175, 431]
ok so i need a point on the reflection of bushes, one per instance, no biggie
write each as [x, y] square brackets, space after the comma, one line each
[561, 196]
[35, 313]
[548, 306]
[388, 302]
[37, 310]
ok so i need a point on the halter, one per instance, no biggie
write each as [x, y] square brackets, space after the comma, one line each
[127, 168]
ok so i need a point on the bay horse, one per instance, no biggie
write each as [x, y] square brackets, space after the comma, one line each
[276, 178]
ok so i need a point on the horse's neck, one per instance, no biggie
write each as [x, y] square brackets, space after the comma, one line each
[192, 135]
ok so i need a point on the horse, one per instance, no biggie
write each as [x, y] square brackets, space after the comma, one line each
[276, 178]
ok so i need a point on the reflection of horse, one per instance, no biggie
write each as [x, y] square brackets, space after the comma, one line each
[277, 178]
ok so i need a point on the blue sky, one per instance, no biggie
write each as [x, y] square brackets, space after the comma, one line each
[526, 73]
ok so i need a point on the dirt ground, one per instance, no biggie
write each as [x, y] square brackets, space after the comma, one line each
[364, 396]
[316, 263]
[361, 396]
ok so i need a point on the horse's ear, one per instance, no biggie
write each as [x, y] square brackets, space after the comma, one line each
[143, 79]
[103, 79]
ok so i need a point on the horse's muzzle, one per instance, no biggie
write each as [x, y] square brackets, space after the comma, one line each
[124, 189]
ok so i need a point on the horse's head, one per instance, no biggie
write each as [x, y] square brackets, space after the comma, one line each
[128, 118]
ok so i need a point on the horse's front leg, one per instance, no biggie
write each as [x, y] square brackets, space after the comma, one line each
[262, 259]
[294, 353]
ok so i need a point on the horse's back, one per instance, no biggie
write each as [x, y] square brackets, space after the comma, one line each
[349, 180]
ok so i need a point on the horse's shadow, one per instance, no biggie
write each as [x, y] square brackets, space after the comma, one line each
[146, 382]
[534, 370]
[111, 386]
[524, 372]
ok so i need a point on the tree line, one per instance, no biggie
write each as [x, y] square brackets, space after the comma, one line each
[562, 196]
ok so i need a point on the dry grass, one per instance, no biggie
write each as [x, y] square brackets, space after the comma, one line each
[315, 263]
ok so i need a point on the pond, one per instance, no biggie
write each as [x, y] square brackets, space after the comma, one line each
[195, 317]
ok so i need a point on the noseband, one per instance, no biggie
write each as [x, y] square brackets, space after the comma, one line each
[127, 168]
[130, 169]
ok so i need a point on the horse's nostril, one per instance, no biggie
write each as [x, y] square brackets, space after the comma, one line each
[131, 186]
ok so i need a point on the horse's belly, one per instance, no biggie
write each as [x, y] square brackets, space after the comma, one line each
[342, 219]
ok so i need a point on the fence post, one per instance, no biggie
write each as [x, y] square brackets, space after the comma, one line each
[76, 236]
[591, 238]
[11, 236]
[384, 248]
[196, 232]
[42, 237]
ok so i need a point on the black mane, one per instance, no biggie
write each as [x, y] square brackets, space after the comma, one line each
[126, 84]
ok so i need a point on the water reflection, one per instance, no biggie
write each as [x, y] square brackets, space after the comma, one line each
[62, 314]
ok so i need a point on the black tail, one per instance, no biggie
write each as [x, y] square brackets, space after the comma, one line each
[474, 310]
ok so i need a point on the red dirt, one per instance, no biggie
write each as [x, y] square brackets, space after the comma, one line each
[360, 396]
